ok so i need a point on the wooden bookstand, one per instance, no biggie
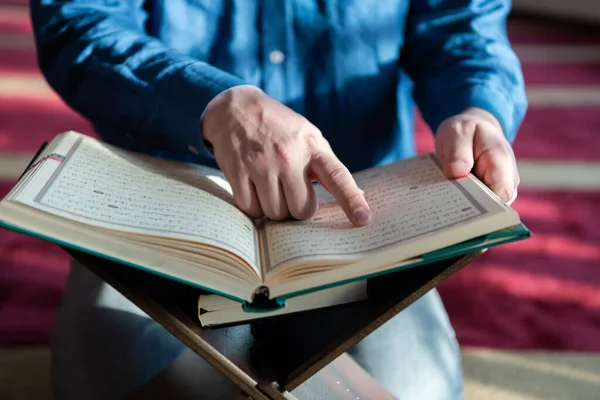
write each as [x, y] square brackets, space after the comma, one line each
[292, 364]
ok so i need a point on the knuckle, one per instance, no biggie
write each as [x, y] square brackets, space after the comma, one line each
[469, 126]
[243, 203]
[302, 214]
[283, 150]
[255, 213]
[455, 126]
[312, 137]
[354, 198]
[311, 143]
[247, 206]
[277, 213]
[463, 127]
[339, 175]
[303, 211]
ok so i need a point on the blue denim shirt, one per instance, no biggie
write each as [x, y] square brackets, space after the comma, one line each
[144, 71]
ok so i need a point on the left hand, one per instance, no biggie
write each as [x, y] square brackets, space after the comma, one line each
[473, 141]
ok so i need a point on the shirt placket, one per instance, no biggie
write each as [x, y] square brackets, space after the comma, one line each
[274, 47]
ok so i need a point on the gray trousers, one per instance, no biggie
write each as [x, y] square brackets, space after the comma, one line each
[104, 347]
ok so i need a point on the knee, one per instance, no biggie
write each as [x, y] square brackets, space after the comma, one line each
[415, 355]
[109, 353]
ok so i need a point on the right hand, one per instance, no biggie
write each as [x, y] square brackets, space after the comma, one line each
[271, 155]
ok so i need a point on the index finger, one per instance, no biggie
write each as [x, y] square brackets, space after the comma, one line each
[335, 177]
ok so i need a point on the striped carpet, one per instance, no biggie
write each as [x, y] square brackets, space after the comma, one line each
[539, 295]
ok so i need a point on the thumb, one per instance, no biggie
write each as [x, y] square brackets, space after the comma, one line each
[454, 147]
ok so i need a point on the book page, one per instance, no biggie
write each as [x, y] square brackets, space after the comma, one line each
[106, 187]
[408, 199]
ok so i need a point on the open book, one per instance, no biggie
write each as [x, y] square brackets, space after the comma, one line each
[180, 221]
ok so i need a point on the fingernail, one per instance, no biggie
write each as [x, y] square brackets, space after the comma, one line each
[362, 215]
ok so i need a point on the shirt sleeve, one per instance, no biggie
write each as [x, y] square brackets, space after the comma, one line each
[458, 55]
[98, 57]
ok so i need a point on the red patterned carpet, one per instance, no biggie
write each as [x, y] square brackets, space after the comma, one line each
[543, 293]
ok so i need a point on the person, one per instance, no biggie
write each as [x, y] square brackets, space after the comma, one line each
[278, 94]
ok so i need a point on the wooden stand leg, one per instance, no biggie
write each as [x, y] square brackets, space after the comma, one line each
[341, 379]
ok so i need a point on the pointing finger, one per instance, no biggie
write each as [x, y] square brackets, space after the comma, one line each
[334, 176]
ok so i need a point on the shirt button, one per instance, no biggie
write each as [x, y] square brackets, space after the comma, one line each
[276, 57]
